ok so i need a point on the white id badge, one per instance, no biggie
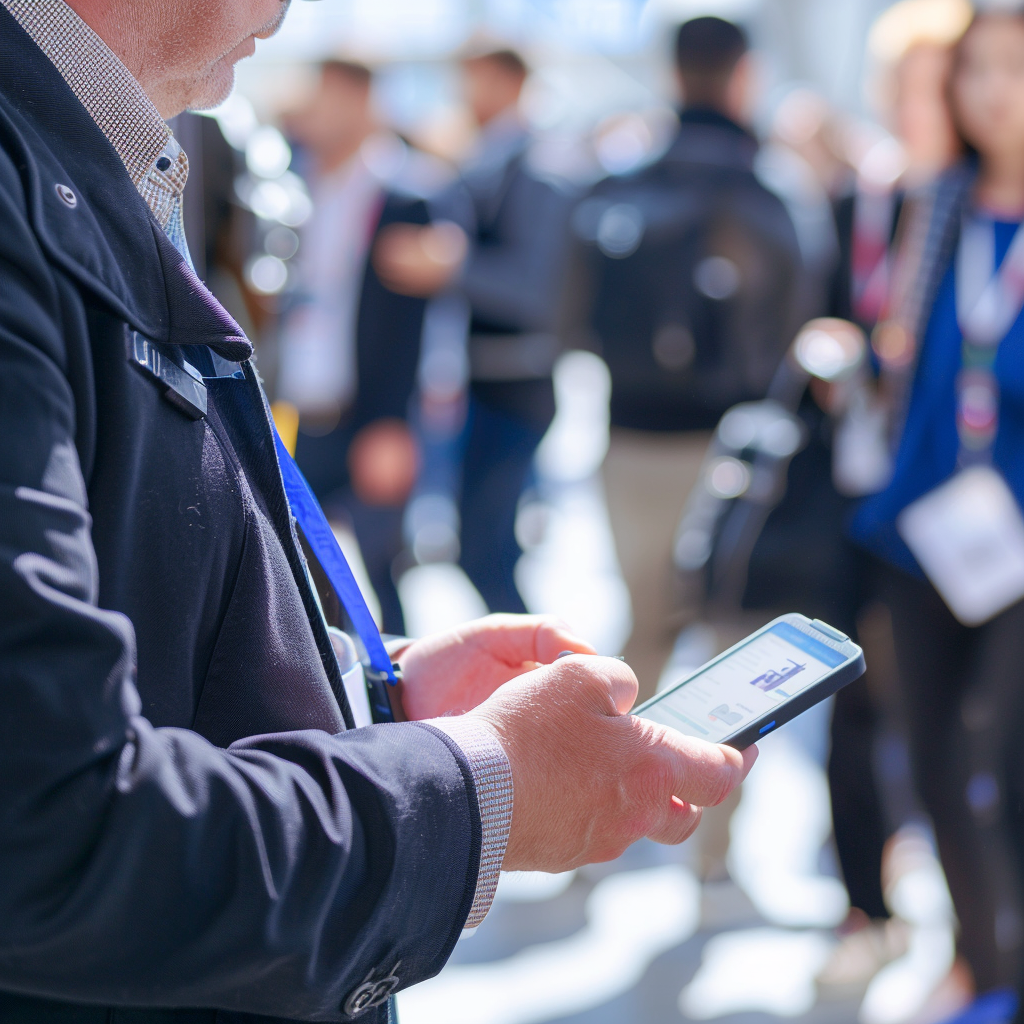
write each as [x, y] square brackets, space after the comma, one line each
[968, 536]
[352, 676]
[358, 699]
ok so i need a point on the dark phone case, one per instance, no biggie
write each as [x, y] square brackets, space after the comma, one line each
[842, 676]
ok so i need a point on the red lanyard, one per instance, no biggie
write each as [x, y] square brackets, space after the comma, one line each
[872, 230]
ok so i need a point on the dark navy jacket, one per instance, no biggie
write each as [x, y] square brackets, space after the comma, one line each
[184, 821]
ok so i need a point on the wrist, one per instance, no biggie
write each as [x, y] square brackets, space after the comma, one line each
[493, 783]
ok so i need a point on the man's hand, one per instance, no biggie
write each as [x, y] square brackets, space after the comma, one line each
[452, 672]
[589, 778]
[420, 261]
[383, 461]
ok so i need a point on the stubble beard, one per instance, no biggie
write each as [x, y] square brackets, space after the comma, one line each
[214, 88]
[217, 82]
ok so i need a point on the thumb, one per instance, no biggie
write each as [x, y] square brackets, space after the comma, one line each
[609, 687]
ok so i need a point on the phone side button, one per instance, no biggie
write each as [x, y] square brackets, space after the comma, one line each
[766, 728]
[824, 627]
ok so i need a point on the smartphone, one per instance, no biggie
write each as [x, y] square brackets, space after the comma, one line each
[763, 682]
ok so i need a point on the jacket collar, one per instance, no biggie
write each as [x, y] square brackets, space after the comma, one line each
[707, 136]
[109, 242]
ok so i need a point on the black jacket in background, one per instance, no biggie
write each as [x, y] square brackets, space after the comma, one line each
[518, 225]
[690, 271]
[840, 292]
[184, 820]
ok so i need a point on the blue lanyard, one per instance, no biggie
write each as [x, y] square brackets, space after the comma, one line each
[321, 539]
[318, 534]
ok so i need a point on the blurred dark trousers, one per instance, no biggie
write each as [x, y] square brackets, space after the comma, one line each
[496, 467]
[964, 700]
[378, 528]
[859, 820]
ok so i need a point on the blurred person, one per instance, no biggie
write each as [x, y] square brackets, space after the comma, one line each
[518, 241]
[805, 123]
[691, 293]
[950, 353]
[911, 51]
[192, 826]
[349, 345]
[517, 225]
[911, 47]
[795, 164]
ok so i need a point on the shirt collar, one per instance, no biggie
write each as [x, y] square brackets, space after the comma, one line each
[114, 99]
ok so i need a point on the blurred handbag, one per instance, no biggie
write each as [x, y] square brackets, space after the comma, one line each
[763, 527]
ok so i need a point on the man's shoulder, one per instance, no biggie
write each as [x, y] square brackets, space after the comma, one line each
[21, 244]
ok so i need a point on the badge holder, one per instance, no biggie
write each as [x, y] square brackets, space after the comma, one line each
[968, 536]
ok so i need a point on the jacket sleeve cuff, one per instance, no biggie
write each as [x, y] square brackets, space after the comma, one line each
[492, 776]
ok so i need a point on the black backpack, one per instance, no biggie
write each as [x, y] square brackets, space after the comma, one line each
[691, 271]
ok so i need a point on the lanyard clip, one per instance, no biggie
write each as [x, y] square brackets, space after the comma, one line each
[385, 692]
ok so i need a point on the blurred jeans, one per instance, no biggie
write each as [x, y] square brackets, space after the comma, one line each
[496, 468]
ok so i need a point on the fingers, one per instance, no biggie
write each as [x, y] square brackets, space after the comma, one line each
[699, 775]
[552, 637]
[750, 756]
[521, 639]
[605, 685]
[681, 821]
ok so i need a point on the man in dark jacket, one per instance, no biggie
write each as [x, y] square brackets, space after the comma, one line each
[190, 828]
[350, 347]
[693, 268]
[518, 230]
[516, 221]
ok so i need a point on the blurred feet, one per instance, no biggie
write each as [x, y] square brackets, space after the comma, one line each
[864, 948]
[907, 966]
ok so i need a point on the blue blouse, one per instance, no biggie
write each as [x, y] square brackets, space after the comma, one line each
[928, 450]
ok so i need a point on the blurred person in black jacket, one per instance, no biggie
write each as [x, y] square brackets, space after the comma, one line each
[517, 223]
[518, 231]
[693, 271]
[350, 346]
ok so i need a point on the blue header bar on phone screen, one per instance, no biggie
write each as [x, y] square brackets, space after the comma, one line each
[808, 644]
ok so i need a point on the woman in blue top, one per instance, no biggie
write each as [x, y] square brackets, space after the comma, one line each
[963, 405]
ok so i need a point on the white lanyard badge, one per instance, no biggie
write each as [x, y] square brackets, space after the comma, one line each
[968, 534]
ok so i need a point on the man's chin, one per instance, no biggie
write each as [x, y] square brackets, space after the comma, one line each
[215, 89]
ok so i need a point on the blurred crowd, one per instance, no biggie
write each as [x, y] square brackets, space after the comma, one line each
[812, 325]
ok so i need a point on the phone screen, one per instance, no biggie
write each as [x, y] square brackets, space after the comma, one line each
[761, 675]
